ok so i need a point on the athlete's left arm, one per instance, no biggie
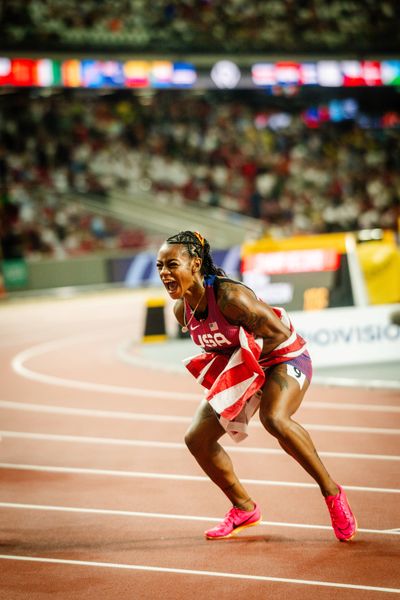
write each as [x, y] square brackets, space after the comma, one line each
[239, 306]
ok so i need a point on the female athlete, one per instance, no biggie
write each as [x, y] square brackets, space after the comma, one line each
[224, 316]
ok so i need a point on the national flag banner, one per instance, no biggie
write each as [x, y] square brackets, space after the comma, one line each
[71, 73]
[137, 73]
[372, 72]
[308, 73]
[329, 73]
[23, 71]
[390, 70]
[6, 71]
[230, 380]
[287, 73]
[263, 74]
[48, 72]
[214, 326]
[352, 73]
[161, 73]
[91, 73]
[184, 75]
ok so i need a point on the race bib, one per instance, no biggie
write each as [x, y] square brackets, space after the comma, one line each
[296, 374]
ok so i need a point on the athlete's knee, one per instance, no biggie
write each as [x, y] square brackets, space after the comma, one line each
[198, 443]
[201, 445]
[193, 441]
[275, 423]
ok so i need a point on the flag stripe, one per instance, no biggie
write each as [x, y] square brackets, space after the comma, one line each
[232, 379]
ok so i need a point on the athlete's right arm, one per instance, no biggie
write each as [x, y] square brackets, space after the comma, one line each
[240, 306]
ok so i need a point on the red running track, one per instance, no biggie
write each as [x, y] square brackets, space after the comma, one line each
[99, 497]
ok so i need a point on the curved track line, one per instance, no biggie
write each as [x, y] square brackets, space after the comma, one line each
[106, 565]
[125, 355]
[91, 412]
[18, 365]
[40, 349]
[177, 477]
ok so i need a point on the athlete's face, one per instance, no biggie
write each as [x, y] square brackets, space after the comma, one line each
[177, 269]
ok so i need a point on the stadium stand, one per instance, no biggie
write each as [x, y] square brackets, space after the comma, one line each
[202, 25]
[185, 150]
[62, 153]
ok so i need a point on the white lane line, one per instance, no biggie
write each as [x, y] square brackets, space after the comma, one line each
[383, 408]
[20, 368]
[354, 382]
[92, 412]
[126, 415]
[176, 477]
[392, 531]
[169, 516]
[83, 439]
[243, 576]
[350, 429]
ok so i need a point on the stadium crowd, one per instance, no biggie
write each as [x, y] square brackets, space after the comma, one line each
[186, 148]
[199, 25]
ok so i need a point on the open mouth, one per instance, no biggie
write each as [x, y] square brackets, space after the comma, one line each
[171, 286]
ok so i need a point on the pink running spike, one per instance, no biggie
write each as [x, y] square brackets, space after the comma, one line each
[343, 521]
[235, 520]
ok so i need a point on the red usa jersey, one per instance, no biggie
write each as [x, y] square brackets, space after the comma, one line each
[216, 334]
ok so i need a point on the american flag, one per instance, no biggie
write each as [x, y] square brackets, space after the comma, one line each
[213, 326]
[230, 380]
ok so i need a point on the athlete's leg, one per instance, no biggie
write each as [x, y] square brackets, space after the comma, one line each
[281, 398]
[202, 440]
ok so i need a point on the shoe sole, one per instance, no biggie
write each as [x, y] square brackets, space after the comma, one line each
[234, 532]
[353, 536]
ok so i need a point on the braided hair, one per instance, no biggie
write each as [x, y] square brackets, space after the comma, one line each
[197, 245]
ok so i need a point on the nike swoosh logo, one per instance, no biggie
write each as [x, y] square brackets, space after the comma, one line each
[243, 522]
[193, 327]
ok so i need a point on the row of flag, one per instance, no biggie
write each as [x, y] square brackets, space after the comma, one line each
[91, 73]
[95, 73]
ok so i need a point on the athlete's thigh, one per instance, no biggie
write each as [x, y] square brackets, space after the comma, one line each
[205, 424]
[282, 393]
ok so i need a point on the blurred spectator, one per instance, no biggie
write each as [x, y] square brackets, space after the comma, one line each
[192, 25]
[185, 148]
